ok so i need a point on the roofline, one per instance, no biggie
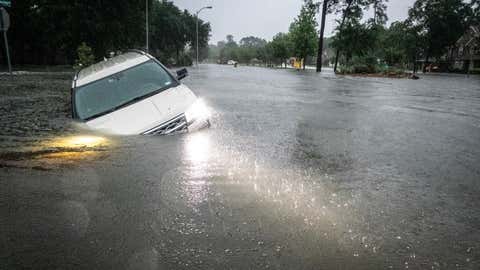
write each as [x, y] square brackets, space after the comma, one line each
[75, 76]
[142, 53]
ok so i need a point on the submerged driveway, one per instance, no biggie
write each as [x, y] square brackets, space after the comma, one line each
[298, 171]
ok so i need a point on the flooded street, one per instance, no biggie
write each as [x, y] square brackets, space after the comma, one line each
[298, 171]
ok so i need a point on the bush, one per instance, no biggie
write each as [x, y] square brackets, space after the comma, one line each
[357, 68]
[393, 71]
[362, 65]
[85, 56]
[362, 68]
[185, 60]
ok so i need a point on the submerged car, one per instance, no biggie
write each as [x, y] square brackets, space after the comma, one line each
[133, 93]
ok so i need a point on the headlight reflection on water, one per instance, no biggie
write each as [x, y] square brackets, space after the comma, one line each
[197, 153]
[79, 142]
[292, 193]
[198, 148]
[69, 149]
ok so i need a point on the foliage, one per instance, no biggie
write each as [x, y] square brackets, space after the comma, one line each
[85, 56]
[362, 45]
[399, 44]
[281, 47]
[173, 30]
[432, 28]
[59, 27]
[252, 42]
[440, 22]
[475, 12]
[250, 49]
[354, 39]
[229, 50]
[303, 31]
[379, 12]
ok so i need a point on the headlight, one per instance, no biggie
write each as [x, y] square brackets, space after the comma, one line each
[198, 111]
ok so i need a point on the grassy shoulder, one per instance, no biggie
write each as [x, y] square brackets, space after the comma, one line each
[372, 67]
[365, 71]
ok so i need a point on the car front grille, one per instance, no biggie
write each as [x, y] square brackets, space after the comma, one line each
[176, 125]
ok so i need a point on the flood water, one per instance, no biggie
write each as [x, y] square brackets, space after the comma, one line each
[298, 171]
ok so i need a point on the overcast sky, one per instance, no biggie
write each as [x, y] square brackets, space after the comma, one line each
[264, 18]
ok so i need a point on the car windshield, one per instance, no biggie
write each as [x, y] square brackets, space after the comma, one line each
[121, 89]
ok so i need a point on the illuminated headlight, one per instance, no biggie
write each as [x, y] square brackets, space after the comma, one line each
[197, 112]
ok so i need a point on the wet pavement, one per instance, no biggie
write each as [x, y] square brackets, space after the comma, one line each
[298, 171]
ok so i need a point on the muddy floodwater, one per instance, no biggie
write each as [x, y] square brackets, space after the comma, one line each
[298, 171]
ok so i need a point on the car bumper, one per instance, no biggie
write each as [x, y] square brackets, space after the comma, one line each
[177, 125]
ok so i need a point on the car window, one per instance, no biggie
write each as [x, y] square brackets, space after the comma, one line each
[116, 90]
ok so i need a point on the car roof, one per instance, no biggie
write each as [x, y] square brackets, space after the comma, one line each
[109, 67]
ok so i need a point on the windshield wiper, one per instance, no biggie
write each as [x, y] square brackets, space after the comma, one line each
[134, 100]
[125, 104]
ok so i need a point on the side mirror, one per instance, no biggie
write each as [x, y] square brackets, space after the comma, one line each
[182, 73]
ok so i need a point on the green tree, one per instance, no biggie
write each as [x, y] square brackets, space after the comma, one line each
[251, 47]
[50, 31]
[85, 56]
[440, 22]
[354, 39]
[252, 42]
[230, 50]
[281, 48]
[328, 7]
[303, 31]
[475, 8]
[172, 30]
[351, 11]
[399, 44]
[379, 12]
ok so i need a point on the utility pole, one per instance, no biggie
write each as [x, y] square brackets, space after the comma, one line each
[146, 24]
[208, 7]
[4, 25]
[320, 39]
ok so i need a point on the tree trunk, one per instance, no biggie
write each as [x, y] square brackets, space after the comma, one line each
[337, 54]
[320, 39]
[345, 13]
[415, 64]
[178, 56]
[425, 63]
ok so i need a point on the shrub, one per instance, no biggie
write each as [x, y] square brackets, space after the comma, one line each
[363, 68]
[85, 56]
[185, 60]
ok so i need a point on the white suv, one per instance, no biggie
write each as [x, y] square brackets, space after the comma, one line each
[134, 93]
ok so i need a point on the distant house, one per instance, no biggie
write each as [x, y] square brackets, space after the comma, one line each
[467, 51]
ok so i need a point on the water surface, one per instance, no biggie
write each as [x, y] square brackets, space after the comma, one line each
[298, 171]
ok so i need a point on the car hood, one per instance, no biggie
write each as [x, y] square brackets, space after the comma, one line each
[146, 114]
